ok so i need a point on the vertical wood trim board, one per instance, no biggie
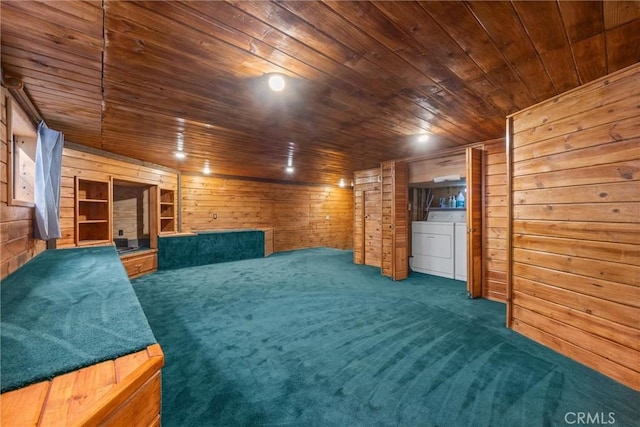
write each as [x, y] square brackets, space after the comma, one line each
[575, 221]
[302, 216]
[509, 129]
[17, 245]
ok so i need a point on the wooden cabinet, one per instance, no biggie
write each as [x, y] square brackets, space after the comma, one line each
[93, 211]
[140, 263]
[167, 211]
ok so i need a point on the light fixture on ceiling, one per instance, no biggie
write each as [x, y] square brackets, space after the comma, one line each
[289, 169]
[277, 82]
[179, 153]
[341, 184]
[423, 138]
[206, 169]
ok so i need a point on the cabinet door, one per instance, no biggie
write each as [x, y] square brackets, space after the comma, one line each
[138, 265]
[367, 217]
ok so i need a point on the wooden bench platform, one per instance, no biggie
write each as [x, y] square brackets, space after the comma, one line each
[120, 392]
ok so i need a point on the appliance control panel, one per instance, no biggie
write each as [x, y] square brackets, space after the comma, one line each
[448, 216]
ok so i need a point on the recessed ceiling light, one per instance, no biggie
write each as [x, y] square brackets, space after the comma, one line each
[289, 169]
[341, 184]
[180, 154]
[423, 138]
[277, 83]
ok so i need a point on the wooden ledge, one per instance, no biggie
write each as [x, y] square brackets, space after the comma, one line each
[124, 391]
[181, 234]
[133, 254]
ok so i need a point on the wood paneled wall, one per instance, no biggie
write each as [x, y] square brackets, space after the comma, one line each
[94, 165]
[301, 216]
[17, 245]
[367, 217]
[131, 212]
[494, 232]
[576, 224]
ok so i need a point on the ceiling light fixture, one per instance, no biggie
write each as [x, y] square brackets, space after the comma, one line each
[179, 147]
[423, 138]
[206, 170]
[277, 83]
[289, 167]
[341, 182]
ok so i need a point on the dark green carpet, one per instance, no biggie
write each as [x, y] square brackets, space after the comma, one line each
[307, 338]
[64, 310]
[209, 247]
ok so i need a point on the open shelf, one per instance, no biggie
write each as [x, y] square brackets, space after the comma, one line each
[93, 211]
[167, 214]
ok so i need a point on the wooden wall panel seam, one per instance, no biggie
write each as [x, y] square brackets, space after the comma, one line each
[602, 346]
[625, 375]
[605, 328]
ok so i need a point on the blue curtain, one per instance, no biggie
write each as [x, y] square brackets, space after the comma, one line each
[47, 184]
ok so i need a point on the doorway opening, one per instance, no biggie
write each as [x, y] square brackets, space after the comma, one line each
[132, 218]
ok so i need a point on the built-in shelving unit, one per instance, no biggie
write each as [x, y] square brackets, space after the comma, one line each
[93, 211]
[167, 211]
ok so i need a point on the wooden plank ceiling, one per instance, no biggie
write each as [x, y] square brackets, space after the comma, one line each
[365, 79]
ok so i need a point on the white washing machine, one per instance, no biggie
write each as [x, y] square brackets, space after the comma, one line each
[433, 243]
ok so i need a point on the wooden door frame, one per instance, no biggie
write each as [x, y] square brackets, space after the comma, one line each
[471, 272]
[154, 215]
